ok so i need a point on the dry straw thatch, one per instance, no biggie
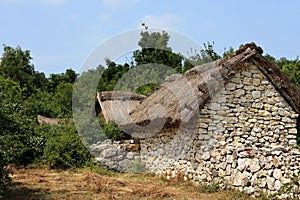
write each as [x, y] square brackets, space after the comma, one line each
[116, 105]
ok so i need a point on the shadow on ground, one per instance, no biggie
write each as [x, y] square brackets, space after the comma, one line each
[20, 192]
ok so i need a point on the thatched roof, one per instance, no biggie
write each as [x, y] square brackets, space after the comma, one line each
[177, 101]
[119, 95]
[116, 105]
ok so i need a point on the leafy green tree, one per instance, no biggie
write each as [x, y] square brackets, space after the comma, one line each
[18, 81]
[111, 75]
[195, 58]
[155, 49]
[45, 104]
[205, 55]
[271, 58]
[55, 99]
[56, 79]
[17, 123]
[16, 65]
[40, 81]
[18, 141]
[210, 51]
[228, 52]
[63, 99]
[291, 68]
[155, 40]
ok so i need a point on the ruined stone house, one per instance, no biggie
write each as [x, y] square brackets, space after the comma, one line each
[232, 122]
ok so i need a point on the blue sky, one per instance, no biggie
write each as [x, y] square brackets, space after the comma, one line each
[61, 33]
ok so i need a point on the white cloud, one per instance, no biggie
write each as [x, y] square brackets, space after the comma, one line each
[47, 2]
[117, 3]
[162, 21]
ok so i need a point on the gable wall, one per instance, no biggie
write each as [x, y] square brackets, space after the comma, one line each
[245, 139]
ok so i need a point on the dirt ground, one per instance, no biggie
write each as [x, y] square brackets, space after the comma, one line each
[33, 184]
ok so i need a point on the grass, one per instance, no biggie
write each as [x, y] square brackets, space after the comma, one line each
[91, 184]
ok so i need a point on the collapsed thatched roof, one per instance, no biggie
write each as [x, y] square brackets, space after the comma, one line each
[116, 105]
[119, 95]
[178, 99]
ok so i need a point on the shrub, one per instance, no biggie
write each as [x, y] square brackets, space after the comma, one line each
[64, 149]
[112, 131]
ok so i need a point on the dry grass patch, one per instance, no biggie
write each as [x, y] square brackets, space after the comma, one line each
[48, 184]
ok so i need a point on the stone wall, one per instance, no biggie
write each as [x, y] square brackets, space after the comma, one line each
[245, 138]
[120, 156]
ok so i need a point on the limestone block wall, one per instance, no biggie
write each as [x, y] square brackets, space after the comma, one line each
[245, 138]
[120, 156]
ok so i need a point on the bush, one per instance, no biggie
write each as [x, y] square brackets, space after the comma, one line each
[64, 149]
[112, 131]
[17, 123]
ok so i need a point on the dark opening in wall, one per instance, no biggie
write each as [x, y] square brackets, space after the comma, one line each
[96, 108]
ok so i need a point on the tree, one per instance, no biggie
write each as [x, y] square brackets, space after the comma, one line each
[15, 64]
[111, 75]
[18, 81]
[56, 79]
[54, 99]
[63, 99]
[24, 93]
[209, 50]
[228, 52]
[155, 49]
[40, 81]
[195, 58]
[17, 121]
[155, 40]
[205, 55]
[271, 58]
[291, 68]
